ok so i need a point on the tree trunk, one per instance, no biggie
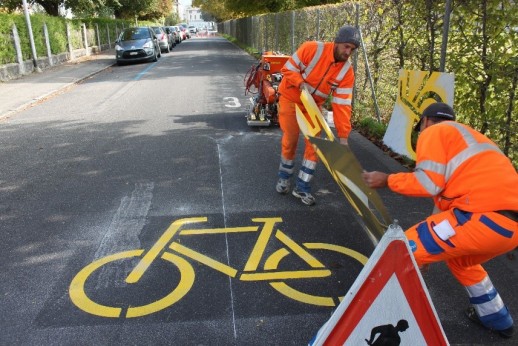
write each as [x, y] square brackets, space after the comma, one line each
[50, 6]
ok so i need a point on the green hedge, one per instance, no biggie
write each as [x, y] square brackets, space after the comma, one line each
[57, 29]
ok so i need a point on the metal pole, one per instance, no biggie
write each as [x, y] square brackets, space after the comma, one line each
[317, 38]
[355, 57]
[31, 37]
[293, 48]
[370, 76]
[445, 32]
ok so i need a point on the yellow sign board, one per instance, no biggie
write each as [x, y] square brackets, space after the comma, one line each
[344, 168]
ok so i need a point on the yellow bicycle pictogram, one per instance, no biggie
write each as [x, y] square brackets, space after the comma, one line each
[168, 248]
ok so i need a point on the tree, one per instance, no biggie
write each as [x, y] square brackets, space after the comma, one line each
[52, 7]
[158, 9]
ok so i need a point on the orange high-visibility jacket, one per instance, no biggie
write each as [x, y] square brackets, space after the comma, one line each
[460, 168]
[313, 63]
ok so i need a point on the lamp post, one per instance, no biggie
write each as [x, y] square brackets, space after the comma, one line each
[31, 37]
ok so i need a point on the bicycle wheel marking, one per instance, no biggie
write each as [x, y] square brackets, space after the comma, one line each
[312, 267]
[283, 288]
[77, 287]
[82, 301]
[184, 286]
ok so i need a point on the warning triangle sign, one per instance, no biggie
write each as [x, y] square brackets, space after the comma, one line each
[388, 304]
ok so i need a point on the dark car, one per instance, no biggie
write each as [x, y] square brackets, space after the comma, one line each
[171, 33]
[136, 44]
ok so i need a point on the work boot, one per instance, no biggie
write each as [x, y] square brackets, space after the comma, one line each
[283, 186]
[473, 316]
[306, 197]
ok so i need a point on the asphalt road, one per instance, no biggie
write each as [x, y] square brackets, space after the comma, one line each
[113, 165]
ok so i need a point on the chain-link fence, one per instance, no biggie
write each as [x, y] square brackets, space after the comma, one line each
[406, 35]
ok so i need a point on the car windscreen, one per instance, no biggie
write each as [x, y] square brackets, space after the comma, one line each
[134, 34]
[157, 30]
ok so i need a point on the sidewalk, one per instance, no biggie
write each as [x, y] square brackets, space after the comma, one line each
[18, 94]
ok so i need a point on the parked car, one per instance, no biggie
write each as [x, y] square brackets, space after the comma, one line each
[185, 30]
[179, 35]
[137, 44]
[193, 29]
[163, 39]
[171, 35]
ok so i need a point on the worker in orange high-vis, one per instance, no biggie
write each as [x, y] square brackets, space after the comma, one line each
[324, 69]
[473, 185]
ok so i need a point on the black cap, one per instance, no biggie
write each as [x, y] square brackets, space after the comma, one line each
[348, 34]
[436, 110]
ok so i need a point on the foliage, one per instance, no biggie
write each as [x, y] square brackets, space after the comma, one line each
[97, 28]
[404, 34]
[371, 126]
[52, 7]
[223, 10]
[127, 9]
[486, 47]
[7, 53]
[171, 19]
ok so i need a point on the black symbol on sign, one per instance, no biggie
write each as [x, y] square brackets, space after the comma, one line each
[388, 334]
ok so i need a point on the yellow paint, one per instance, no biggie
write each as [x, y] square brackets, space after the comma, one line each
[417, 90]
[315, 115]
[292, 293]
[262, 241]
[285, 275]
[282, 287]
[184, 286]
[77, 287]
[209, 262]
[161, 244]
[299, 250]
[316, 269]
[219, 230]
[81, 300]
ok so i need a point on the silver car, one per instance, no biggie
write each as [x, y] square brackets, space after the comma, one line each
[136, 44]
[163, 38]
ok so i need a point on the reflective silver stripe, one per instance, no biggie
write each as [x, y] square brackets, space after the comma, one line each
[474, 148]
[309, 164]
[426, 182]
[447, 170]
[490, 307]
[343, 71]
[300, 64]
[307, 170]
[310, 88]
[305, 176]
[286, 166]
[465, 155]
[432, 166]
[340, 101]
[345, 91]
[314, 61]
[290, 66]
[319, 93]
[481, 288]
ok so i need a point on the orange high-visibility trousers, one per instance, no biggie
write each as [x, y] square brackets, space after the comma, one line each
[291, 131]
[463, 241]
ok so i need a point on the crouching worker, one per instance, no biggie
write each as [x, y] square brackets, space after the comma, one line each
[473, 185]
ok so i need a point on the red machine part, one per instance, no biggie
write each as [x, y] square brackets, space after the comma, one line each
[263, 79]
